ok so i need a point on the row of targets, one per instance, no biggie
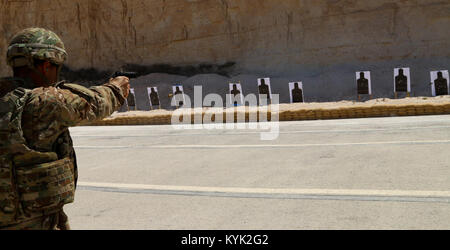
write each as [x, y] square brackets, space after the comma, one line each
[440, 85]
[236, 96]
[154, 99]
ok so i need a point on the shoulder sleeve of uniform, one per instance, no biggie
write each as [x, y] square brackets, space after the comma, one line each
[93, 92]
[72, 104]
[103, 100]
[79, 90]
[55, 106]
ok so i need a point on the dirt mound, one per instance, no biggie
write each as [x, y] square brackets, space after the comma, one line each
[301, 111]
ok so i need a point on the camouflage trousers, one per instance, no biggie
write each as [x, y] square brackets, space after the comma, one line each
[55, 221]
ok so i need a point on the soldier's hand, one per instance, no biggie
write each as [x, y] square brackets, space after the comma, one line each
[123, 82]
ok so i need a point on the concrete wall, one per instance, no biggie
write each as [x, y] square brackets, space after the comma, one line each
[321, 42]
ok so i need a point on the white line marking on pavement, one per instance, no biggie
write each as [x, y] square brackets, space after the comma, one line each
[265, 146]
[322, 194]
[382, 121]
[258, 132]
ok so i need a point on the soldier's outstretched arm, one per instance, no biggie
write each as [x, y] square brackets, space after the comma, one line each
[71, 104]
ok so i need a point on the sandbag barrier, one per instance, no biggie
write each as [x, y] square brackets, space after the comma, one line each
[288, 112]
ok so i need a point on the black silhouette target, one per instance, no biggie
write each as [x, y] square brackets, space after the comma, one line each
[402, 80]
[364, 83]
[264, 88]
[131, 99]
[296, 92]
[236, 97]
[178, 94]
[153, 96]
[440, 84]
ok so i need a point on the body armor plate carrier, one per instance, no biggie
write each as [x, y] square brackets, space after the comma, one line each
[31, 182]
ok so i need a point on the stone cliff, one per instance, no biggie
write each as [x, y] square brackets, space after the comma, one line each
[322, 42]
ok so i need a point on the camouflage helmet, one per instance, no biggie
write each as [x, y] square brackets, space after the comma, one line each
[35, 43]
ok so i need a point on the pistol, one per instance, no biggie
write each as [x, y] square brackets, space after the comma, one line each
[126, 74]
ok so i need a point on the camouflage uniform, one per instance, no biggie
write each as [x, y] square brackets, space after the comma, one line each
[38, 169]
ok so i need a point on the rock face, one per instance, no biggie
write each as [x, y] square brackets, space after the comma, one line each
[319, 42]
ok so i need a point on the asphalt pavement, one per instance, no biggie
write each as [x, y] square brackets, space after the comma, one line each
[377, 173]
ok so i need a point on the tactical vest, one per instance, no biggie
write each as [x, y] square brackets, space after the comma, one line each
[31, 182]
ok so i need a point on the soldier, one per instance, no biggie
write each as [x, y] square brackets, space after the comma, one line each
[38, 168]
